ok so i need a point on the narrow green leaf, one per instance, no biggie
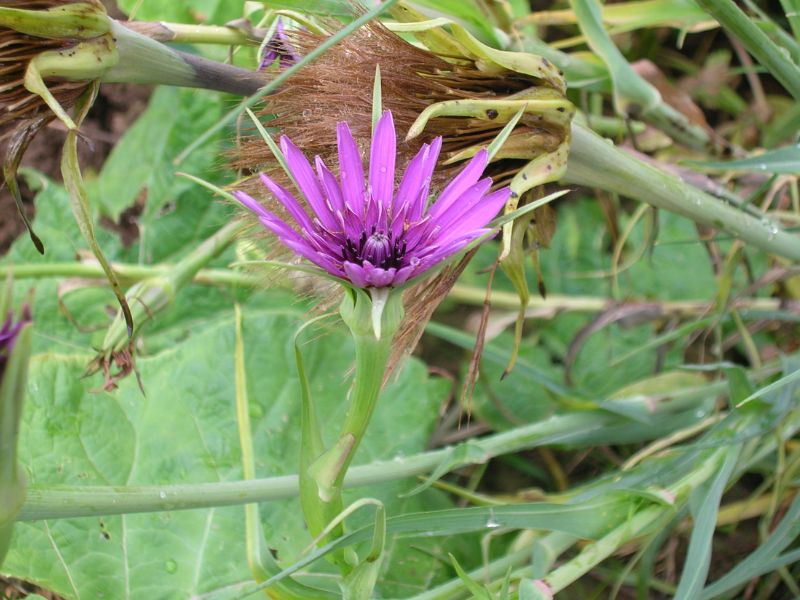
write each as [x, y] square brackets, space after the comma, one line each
[704, 503]
[783, 161]
[501, 137]
[775, 385]
[760, 561]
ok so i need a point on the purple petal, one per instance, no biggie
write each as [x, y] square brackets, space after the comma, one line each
[442, 250]
[416, 267]
[288, 201]
[307, 182]
[351, 171]
[418, 205]
[381, 160]
[268, 219]
[319, 259]
[250, 203]
[377, 277]
[409, 189]
[461, 183]
[330, 185]
[461, 208]
[355, 274]
[481, 212]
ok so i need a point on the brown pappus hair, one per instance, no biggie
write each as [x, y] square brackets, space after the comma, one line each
[338, 87]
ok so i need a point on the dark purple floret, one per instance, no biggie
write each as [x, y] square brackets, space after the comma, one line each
[363, 231]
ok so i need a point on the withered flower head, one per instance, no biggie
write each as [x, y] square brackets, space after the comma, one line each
[17, 51]
[50, 53]
[459, 98]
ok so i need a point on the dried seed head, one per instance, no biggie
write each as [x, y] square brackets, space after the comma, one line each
[336, 87]
[462, 98]
[19, 46]
[50, 51]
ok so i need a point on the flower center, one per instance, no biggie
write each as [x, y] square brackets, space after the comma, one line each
[378, 248]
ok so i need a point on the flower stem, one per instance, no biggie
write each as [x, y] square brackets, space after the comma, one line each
[371, 358]
[186, 33]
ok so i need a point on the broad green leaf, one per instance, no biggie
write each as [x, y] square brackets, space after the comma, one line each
[141, 163]
[184, 430]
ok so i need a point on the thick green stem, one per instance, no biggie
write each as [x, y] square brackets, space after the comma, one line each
[50, 502]
[13, 381]
[127, 273]
[144, 60]
[595, 162]
[368, 314]
[130, 273]
[591, 304]
[371, 358]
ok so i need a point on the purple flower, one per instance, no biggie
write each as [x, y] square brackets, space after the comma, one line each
[366, 233]
[8, 335]
[280, 47]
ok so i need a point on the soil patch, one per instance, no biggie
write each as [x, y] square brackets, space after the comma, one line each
[117, 107]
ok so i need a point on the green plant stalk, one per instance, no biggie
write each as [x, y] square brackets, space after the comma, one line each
[152, 294]
[757, 43]
[132, 273]
[633, 95]
[13, 379]
[128, 273]
[186, 33]
[260, 560]
[49, 502]
[146, 61]
[475, 296]
[373, 318]
[595, 162]
[80, 20]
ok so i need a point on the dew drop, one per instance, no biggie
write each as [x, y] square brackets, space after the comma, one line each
[492, 523]
[771, 227]
[162, 494]
[383, 169]
[171, 566]
[772, 231]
